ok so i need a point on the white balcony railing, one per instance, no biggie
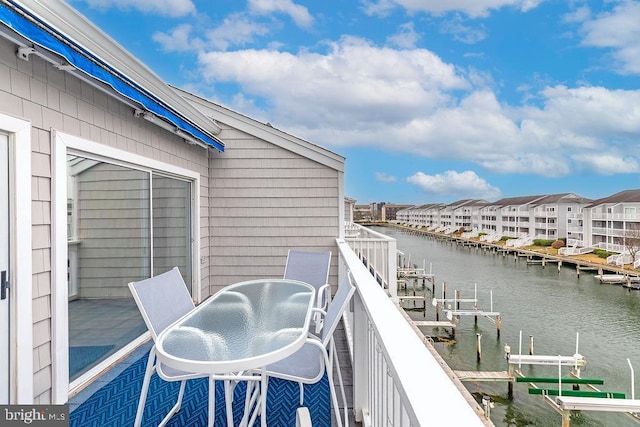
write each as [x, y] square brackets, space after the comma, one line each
[629, 216]
[608, 231]
[397, 381]
[610, 247]
[378, 253]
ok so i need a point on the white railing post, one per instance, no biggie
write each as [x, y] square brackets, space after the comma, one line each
[360, 367]
[392, 269]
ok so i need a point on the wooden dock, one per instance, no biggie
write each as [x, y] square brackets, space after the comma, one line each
[434, 323]
[484, 376]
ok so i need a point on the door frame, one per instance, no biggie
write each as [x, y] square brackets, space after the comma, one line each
[20, 260]
[62, 142]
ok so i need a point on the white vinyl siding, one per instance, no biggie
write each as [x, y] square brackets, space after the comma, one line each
[264, 201]
[48, 99]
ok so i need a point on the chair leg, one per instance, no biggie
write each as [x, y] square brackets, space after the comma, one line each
[330, 357]
[344, 395]
[334, 399]
[251, 397]
[145, 387]
[176, 407]
[228, 397]
[301, 385]
[303, 418]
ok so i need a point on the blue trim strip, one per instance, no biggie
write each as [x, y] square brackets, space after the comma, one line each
[89, 64]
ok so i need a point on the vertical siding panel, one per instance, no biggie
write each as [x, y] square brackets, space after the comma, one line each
[265, 200]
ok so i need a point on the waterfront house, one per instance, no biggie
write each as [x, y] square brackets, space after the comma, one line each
[114, 176]
[465, 213]
[608, 220]
[538, 216]
[553, 216]
[426, 215]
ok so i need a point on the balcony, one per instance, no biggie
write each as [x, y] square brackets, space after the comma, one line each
[629, 216]
[608, 231]
[397, 378]
[543, 213]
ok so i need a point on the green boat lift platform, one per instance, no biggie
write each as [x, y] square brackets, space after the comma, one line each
[554, 380]
[577, 393]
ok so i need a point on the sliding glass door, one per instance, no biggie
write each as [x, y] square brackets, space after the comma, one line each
[124, 224]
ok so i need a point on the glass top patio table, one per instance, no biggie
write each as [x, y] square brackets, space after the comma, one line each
[244, 326]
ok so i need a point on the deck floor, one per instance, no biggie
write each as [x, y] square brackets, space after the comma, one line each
[92, 322]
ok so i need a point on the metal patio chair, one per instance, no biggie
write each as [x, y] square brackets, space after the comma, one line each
[162, 300]
[318, 355]
[312, 268]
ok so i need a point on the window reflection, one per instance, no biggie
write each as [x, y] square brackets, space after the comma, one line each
[123, 224]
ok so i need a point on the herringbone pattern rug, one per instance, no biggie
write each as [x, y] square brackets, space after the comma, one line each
[116, 403]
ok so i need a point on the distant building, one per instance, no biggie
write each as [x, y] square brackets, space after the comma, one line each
[362, 213]
[376, 210]
[608, 220]
[549, 217]
[389, 211]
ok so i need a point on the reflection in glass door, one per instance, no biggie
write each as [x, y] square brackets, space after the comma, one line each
[123, 224]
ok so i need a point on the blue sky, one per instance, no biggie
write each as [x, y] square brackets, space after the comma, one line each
[429, 100]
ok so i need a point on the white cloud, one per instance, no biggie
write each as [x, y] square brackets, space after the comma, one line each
[405, 38]
[235, 30]
[410, 101]
[354, 84]
[178, 40]
[172, 8]
[299, 14]
[580, 14]
[461, 32]
[608, 163]
[472, 8]
[619, 31]
[383, 177]
[454, 184]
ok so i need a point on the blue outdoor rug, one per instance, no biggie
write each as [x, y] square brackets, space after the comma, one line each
[116, 403]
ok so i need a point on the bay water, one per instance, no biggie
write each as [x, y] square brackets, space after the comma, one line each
[554, 306]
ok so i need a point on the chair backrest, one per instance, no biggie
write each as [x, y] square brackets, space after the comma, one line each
[309, 267]
[162, 300]
[337, 306]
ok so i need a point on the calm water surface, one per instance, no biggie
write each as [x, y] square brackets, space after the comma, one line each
[550, 305]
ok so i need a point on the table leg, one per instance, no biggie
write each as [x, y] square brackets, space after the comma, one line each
[263, 394]
[212, 401]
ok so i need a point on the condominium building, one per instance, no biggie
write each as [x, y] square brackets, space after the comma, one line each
[539, 216]
[607, 221]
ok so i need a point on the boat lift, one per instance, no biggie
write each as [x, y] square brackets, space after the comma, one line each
[631, 407]
[454, 312]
